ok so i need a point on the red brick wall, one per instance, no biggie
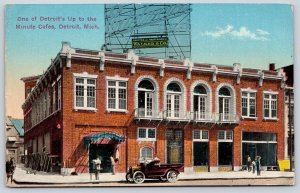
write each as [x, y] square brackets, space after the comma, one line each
[77, 124]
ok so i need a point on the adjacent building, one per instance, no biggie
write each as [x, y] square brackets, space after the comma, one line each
[92, 104]
[289, 113]
[14, 139]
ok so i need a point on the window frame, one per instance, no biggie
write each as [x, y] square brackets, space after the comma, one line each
[140, 156]
[248, 98]
[85, 78]
[117, 97]
[201, 139]
[270, 100]
[147, 134]
[225, 139]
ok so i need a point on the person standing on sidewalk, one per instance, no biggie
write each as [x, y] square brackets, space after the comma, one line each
[258, 166]
[253, 166]
[249, 163]
[10, 169]
[112, 160]
[97, 164]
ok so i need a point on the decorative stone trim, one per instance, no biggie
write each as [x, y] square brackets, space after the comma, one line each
[209, 94]
[134, 58]
[183, 88]
[102, 61]
[156, 90]
[215, 72]
[162, 67]
[261, 78]
[189, 64]
[237, 68]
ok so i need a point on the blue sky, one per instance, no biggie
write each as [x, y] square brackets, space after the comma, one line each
[251, 34]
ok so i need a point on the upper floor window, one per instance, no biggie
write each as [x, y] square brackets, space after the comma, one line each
[146, 134]
[116, 94]
[270, 105]
[248, 104]
[59, 94]
[145, 98]
[225, 102]
[85, 91]
[174, 97]
[200, 103]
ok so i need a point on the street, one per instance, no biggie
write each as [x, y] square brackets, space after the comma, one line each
[210, 182]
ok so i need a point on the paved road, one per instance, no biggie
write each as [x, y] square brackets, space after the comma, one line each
[213, 182]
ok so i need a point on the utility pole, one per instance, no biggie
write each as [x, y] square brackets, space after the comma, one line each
[290, 129]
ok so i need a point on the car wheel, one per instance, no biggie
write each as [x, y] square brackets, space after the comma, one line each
[129, 177]
[172, 176]
[138, 177]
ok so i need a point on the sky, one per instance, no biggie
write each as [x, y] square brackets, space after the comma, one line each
[253, 35]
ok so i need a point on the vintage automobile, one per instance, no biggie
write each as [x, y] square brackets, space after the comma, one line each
[154, 170]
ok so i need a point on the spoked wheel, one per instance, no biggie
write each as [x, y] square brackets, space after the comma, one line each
[138, 177]
[172, 176]
[129, 177]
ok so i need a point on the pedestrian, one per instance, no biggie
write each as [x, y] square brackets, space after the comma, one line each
[97, 164]
[258, 166]
[112, 160]
[249, 163]
[10, 169]
[253, 166]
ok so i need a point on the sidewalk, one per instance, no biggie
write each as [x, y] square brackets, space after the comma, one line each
[20, 176]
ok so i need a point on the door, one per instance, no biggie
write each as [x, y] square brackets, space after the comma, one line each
[103, 152]
[173, 105]
[174, 146]
[149, 104]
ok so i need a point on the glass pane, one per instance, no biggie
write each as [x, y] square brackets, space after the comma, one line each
[204, 134]
[80, 80]
[142, 133]
[151, 133]
[229, 135]
[91, 81]
[224, 91]
[146, 84]
[174, 87]
[221, 135]
[274, 96]
[196, 134]
[122, 84]
[200, 90]
[111, 83]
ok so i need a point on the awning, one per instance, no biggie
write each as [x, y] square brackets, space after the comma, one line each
[103, 138]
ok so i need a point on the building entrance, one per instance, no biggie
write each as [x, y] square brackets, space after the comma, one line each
[174, 146]
[103, 152]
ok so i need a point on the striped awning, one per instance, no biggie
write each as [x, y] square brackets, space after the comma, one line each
[103, 138]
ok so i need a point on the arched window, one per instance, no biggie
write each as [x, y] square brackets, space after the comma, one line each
[225, 103]
[146, 154]
[145, 98]
[200, 103]
[174, 97]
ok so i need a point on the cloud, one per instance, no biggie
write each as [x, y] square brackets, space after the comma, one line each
[242, 34]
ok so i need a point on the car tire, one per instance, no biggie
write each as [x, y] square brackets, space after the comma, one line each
[172, 176]
[138, 177]
[129, 177]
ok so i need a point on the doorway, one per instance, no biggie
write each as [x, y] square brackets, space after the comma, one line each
[174, 146]
[103, 152]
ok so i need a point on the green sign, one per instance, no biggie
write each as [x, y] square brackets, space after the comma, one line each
[149, 43]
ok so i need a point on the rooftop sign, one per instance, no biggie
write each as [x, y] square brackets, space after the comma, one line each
[149, 43]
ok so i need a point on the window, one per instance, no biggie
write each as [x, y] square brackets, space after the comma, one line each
[85, 91]
[116, 95]
[174, 97]
[53, 98]
[270, 106]
[248, 104]
[145, 98]
[225, 136]
[146, 154]
[200, 135]
[147, 134]
[200, 103]
[225, 104]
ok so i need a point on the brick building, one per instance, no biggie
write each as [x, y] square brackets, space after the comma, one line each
[92, 104]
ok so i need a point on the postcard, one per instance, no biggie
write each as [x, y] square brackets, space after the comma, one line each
[149, 95]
